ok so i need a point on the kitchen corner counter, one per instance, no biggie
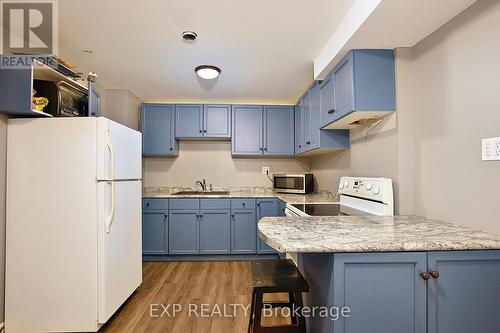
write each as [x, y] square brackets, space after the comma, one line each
[370, 234]
[288, 198]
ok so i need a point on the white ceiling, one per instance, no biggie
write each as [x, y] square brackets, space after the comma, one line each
[392, 24]
[265, 48]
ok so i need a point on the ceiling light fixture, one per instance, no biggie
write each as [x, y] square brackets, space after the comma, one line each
[207, 72]
[189, 35]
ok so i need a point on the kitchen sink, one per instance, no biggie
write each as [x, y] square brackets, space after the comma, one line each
[201, 193]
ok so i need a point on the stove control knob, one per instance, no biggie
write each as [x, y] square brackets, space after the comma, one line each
[369, 186]
[346, 184]
[376, 190]
[341, 185]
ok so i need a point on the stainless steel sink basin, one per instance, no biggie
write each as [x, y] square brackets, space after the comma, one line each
[201, 193]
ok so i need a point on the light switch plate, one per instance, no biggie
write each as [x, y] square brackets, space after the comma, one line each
[491, 149]
[265, 170]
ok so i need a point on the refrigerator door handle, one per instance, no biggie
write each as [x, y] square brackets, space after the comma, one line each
[109, 144]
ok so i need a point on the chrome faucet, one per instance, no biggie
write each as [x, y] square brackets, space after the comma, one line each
[203, 184]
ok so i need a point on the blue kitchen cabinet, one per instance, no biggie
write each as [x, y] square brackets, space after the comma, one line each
[279, 130]
[215, 232]
[154, 232]
[243, 240]
[344, 87]
[217, 121]
[364, 85]
[310, 129]
[298, 129]
[259, 130]
[188, 120]
[158, 130]
[203, 121]
[327, 100]
[94, 101]
[266, 207]
[281, 208]
[246, 137]
[183, 231]
[308, 133]
[384, 291]
[465, 297]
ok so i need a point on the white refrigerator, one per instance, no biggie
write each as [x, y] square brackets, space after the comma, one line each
[73, 223]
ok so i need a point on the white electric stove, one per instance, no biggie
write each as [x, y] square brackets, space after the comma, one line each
[358, 196]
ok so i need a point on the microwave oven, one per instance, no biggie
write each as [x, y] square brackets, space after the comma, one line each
[65, 100]
[301, 183]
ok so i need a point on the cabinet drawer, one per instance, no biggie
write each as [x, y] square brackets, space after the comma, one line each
[244, 203]
[154, 204]
[214, 204]
[184, 204]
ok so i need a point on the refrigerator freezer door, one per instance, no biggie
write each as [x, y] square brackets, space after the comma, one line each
[119, 250]
[119, 155]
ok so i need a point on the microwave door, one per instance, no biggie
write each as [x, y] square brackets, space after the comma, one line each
[290, 184]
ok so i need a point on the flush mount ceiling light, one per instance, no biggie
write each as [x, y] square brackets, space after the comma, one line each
[189, 35]
[207, 72]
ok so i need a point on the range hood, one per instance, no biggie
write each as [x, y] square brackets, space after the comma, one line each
[355, 118]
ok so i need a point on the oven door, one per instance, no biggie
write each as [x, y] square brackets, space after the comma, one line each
[289, 184]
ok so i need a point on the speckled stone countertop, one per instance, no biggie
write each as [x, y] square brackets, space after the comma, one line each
[243, 193]
[370, 234]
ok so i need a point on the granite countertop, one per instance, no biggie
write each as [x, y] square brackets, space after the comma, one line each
[250, 193]
[370, 234]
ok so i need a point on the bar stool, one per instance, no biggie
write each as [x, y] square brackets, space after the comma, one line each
[276, 276]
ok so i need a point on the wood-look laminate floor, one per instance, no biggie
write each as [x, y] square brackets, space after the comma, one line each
[185, 283]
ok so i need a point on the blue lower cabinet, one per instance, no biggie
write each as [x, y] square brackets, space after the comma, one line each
[155, 233]
[265, 207]
[215, 235]
[243, 230]
[465, 297]
[183, 235]
[384, 292]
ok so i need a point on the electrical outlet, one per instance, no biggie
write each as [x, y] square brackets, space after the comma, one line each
[265, 170]
[491, 149]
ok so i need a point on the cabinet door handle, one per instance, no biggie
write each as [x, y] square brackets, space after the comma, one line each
[201, 131]
[204, 131]
[424, 275]
[171, 148]
[308, 142]
[265, 149]
[147, 205]
[434, 274]
[331, 111]
[300, 146]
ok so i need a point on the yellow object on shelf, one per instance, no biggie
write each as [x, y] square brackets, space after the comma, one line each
[39, 103]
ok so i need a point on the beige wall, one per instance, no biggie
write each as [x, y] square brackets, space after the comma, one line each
[212, 160]
[457, 102]
[121, 106]
[3, 170]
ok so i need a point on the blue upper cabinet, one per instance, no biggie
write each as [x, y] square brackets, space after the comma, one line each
[364, 87]
[247, 130]
[217, 121]
[309, 137]
[189, 121]
[202, 121]
[158, 127]
[267, 130]
[298, 128]
[279, 130]
[327, 100]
